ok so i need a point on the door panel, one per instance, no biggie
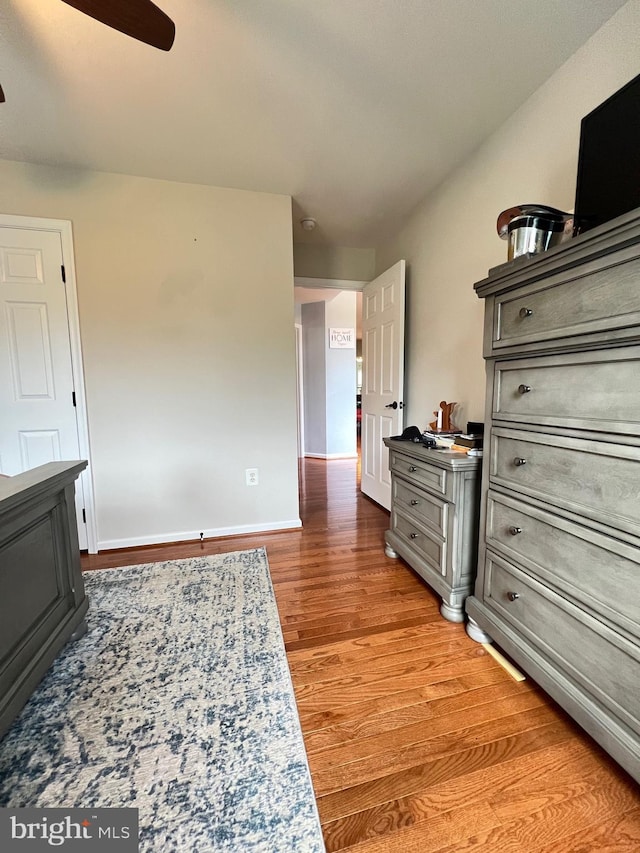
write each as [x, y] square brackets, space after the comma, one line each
[30, 350]
[22, 265]
[388, 356]
[38, 447]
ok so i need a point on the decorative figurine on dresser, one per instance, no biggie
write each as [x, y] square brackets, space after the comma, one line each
[434, 517]
[558, 584]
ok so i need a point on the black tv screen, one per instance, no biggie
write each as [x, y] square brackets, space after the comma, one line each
[608, 182]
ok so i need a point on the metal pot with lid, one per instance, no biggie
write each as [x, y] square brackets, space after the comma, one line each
[531, 228]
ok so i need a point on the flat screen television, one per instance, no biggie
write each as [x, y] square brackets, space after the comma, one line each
[608, 182]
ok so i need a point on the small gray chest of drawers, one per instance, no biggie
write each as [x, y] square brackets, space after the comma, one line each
[558, 584]
[434, 519]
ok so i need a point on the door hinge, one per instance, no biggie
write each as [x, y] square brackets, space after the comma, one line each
[84, 515]
[73, 397]
[63, 273]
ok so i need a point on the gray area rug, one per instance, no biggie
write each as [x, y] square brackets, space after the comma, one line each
[178, 702]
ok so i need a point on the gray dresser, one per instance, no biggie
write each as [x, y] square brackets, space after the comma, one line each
[434, 519]
[42, 597]
[558, 584]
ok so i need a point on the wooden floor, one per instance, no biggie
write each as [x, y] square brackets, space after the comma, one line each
[417, 739]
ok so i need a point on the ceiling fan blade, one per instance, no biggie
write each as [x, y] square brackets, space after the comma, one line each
[140, 19]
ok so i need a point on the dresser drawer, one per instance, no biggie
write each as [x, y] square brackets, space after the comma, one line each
[596, 391]
[593, 655]
[594, 569]
[433, 478]
[422, 541]
[420, 505]
[596, 479]
[601, 301]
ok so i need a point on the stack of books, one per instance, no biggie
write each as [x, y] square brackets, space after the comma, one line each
[468, 443]
[464, 442]
[443, 439]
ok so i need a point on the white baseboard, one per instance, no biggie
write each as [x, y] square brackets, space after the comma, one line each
[194, 535]
[331, 455]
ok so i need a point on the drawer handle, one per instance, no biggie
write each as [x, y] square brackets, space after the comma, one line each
[414, 502]
[524, 389]
[525, 312]
[513, 596]
[518, 461]
[515, 530]
[412, 468]
[413, 535]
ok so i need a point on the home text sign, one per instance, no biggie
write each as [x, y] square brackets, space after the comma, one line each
[342, 338]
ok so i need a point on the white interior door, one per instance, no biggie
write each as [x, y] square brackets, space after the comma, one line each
[383, 378]
[38, 421]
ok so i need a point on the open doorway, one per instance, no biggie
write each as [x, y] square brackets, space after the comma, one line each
[329, 366]
[382, 316]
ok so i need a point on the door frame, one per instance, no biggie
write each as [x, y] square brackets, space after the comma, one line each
[63, 227]
[299, 390]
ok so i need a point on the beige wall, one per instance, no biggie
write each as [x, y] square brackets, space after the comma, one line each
[186, 310]
[311, 261]
[450, 242]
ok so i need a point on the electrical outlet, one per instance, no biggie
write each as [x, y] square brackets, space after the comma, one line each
[252, 476]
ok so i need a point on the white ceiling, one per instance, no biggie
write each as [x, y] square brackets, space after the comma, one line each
[355, 108]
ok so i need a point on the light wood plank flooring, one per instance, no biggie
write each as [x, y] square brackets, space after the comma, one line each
[417, 739]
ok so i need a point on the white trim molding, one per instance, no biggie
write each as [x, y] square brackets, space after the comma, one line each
[194, 536]
[333, 283]
[300, 388]
[331, 455]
